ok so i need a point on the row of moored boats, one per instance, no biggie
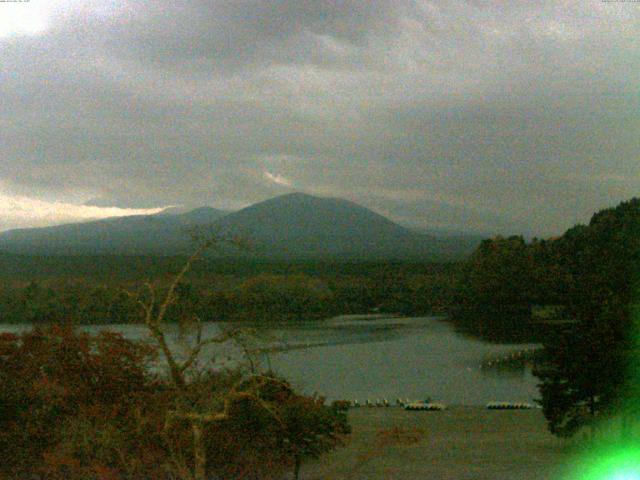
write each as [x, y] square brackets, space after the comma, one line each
[435, 406]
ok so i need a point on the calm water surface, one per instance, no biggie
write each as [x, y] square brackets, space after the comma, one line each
[354, 358]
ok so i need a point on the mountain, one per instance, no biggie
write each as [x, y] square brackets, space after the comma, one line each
[291, 226]
[162, 234]
[301, 225]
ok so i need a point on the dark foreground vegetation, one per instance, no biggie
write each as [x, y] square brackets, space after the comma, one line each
[74, 406]
[588, 278]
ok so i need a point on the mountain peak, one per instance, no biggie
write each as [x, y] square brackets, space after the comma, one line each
[308, 200]
[298, 195]
[294, 197]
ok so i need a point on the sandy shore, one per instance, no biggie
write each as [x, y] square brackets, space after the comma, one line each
[459, 443]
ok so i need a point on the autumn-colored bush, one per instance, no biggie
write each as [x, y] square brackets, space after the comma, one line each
[266, 442]
[70, 403]
[87, 407]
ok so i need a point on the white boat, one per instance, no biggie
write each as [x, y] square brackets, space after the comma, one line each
[509, 406]
[429, 406]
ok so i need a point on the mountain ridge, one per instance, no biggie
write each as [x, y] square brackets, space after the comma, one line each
[295, 225]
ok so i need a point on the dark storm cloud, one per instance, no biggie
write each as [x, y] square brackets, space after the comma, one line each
[492, 116]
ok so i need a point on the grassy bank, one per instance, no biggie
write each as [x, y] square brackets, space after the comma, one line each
[459, 443]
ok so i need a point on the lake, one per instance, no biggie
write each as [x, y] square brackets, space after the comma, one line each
[353, 357]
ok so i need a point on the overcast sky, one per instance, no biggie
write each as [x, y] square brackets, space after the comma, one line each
[493, 116]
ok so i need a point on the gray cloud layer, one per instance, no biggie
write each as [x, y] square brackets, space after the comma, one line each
[477, 115]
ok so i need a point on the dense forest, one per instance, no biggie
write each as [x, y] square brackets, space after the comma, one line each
[589, 372]
[219, 291]
[588, 279]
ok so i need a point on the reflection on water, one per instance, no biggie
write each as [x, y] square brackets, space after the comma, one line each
[502, 329]
[354, 358]
[409, 358]
[513, 362]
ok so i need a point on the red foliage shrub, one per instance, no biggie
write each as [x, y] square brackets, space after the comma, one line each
[60, 389]
[75, 406]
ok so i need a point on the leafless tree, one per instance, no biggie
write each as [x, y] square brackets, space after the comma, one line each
[155, 308]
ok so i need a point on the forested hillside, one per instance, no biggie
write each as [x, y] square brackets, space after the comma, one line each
[590, 278]
[579, 270]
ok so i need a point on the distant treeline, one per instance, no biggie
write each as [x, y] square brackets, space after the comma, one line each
[218, 291]
[106, 268]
